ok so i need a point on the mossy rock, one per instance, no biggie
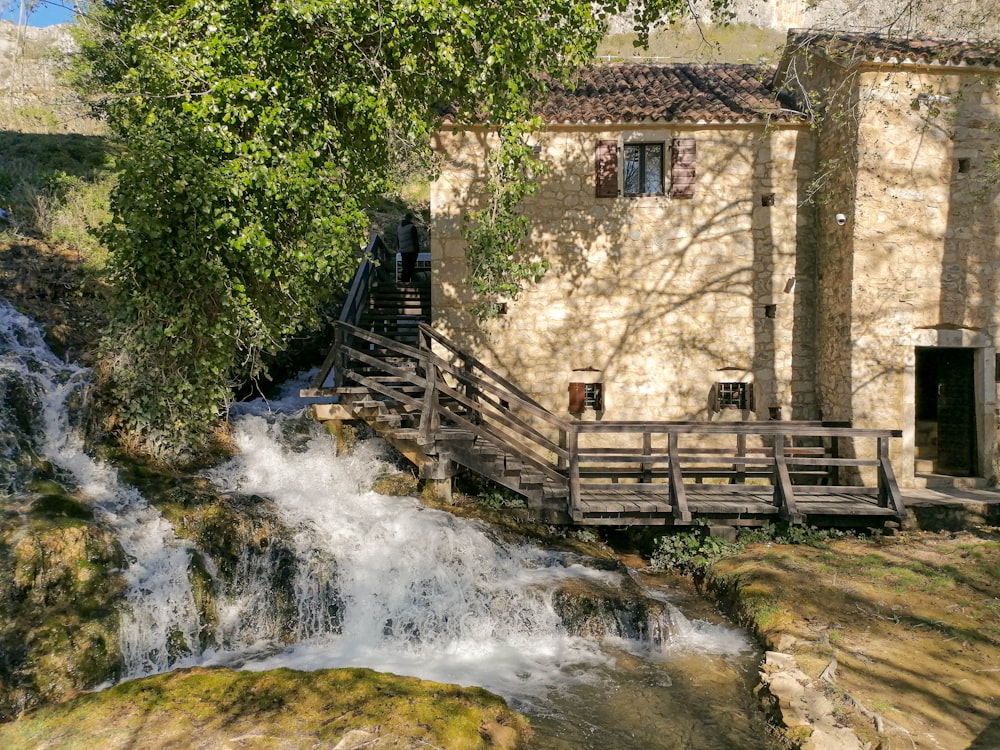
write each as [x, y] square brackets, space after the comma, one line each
[599, 610]
[61, 505]
[60, 584]
[278, 709]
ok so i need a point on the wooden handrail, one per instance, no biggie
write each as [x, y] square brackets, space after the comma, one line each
[353, 307]
[472, 397]
[437, 336]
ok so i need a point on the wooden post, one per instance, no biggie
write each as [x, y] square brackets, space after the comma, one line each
[834, 471]
[441, 489]
[471, 392]
[430, 417]
[572, 447]
[741, 450]
[678, 497]
[647, 450]
[888, 490]
[783, 484]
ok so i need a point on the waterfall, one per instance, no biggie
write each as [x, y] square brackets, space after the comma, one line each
[419, 590]
[376, 581]
[159, 623]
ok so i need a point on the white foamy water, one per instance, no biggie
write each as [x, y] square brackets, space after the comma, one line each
[380, 582]
[422, 592]
[159, 616]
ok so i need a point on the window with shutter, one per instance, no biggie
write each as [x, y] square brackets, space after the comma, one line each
[606, 163]
[643, 165]
[682, 168]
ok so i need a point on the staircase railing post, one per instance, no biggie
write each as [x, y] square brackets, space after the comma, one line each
[888, 490]
[783, 485]
[471, 392]
[430, 414]
[339, 358]
[573, 448]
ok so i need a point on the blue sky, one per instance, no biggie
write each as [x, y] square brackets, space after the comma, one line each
[45, 13]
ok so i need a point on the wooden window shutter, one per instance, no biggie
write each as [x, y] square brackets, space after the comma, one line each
[606, 166]
[682, 168]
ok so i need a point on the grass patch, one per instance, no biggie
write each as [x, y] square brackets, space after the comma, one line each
[57, 187]
[687, 42]
[277, 709]
[913, 622]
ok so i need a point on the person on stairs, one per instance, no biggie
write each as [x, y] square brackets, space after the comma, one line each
[409, 247]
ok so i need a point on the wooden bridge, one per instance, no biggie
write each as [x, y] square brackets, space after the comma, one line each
[445, 410]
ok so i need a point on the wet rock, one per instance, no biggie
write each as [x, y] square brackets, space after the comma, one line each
[612, 606]
[60, 583]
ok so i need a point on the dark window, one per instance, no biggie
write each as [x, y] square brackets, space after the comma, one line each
[734, 396]
[583, 396]
[643, 169]
[593, 396]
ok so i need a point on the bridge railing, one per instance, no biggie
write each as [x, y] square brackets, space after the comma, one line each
[444, 386]
[795, 459]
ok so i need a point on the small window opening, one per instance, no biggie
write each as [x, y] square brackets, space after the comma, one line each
[964, 165]
[767, 199]
[770, 311]
[774, 413]
[593, 396]
[584, 396]
[643, 164]
[732, 396]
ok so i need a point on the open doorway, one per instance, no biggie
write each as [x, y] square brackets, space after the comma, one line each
[945, 438]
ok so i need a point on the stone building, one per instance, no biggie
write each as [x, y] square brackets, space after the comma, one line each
[735, 242]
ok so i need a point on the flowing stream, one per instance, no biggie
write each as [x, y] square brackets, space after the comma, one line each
[386, 583]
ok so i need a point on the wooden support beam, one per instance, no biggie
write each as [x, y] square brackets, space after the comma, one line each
[328, 412]
[888, 491]
[783, 484]
[678, 496]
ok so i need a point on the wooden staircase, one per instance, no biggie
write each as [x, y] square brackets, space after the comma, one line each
[396, 309]
[442, 408]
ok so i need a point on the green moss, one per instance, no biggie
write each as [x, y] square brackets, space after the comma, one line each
[59, 589]
[64, 506]
[278, 709]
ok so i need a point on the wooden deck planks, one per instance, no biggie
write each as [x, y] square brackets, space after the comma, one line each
[650, 504]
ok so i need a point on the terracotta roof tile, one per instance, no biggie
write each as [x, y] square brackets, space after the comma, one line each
[639, 92]
[850, 49]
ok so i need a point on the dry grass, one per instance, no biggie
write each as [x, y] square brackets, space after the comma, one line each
[738, 43]
[912, 621]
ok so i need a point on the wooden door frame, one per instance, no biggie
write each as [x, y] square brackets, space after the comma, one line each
[984, 387]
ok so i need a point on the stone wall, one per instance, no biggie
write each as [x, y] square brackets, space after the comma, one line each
[927, 254]
[969, 19]
[907, 158]
[664, 296]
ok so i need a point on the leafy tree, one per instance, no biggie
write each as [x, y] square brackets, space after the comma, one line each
[256, 135]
